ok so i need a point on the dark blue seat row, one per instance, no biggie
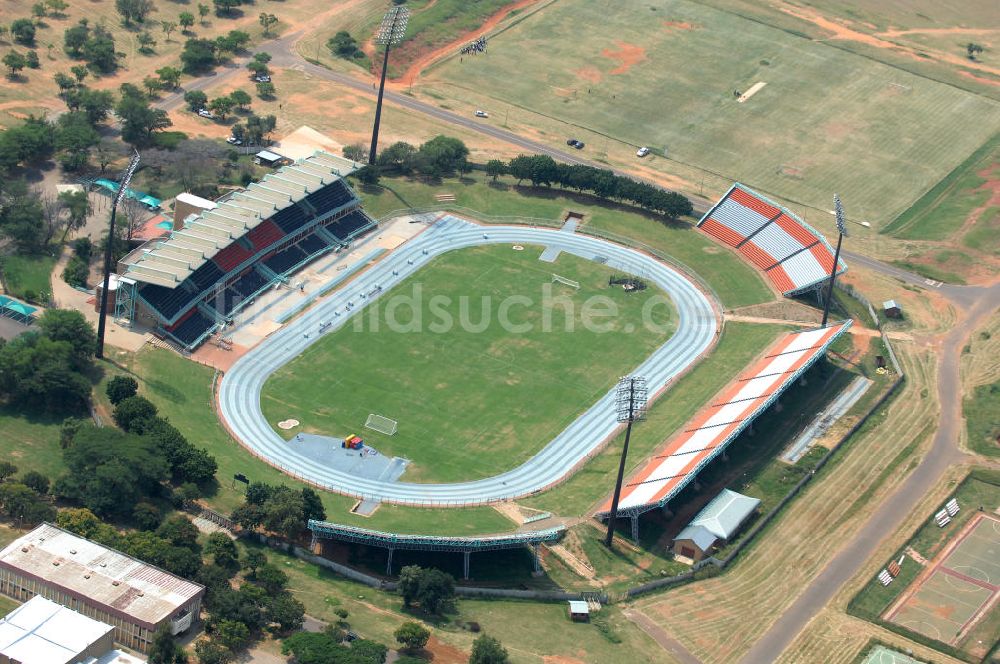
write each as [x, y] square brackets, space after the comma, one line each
[312, 244]
[290, 219]
[167, 301]
[192, 328]
[350, 224]
[330, 197]
[284, 260]
[206, 276]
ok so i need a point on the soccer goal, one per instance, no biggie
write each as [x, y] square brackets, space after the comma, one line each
[564, 281]
[381, 424]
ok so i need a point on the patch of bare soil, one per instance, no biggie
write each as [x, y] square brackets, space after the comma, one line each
[443, 653]
[627, 55]
[783, 310]
[679, 25]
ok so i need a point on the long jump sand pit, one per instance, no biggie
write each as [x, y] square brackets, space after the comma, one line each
[959, 589]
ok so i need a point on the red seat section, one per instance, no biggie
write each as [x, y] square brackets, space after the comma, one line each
[796, 230]
[757, 256]
[781, 279]
[749, 200]
[724, 233]
[823, 257]
[180, 321]
[265, 235]
[231, 256]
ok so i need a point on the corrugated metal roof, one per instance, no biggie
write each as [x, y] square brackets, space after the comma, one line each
[104, 576]
[699, 535]
[724, 515]
[233, 217]
[41, 631]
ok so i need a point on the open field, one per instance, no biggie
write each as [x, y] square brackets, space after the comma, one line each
[873, 600]
[743, 602]
[474, 394]
[735, 282]
[30, 441]
[609, 73]
[27, 277]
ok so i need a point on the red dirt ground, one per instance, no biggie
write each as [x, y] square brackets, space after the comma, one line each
[442, 653]
[627, 55]
[680, 25]
[589, 74]
[422, 59]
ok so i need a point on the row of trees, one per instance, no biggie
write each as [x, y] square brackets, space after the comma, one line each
[544, 170]
[278, 509]
[24, 499]
[440, 156]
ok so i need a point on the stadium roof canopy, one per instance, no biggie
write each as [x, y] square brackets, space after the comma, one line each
[791, 253]
[328, 530]
[169, 262]
[706, 435]
[117, 582]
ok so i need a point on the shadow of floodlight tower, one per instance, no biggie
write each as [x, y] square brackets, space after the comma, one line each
[630, 406]
[390, 32]
[838, 210]
[123, 183]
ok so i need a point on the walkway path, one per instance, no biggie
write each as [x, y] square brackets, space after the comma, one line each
[657, 633]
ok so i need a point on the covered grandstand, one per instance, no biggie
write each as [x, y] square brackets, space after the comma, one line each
[195, 279]
[711, 430]
[464, 545]
[793, 255]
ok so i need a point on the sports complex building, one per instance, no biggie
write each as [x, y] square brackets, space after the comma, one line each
[213, 263]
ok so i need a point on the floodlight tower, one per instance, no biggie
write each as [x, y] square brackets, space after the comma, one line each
[838, 210]
[123, 183]
[390, 32]
[630, 406]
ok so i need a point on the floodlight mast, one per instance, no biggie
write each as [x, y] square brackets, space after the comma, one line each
[123, 183]
[838, 210]
[630, 406]
[390, 32]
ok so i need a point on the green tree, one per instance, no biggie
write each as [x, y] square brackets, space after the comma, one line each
[409, 583]
[266, 90]
[79, 71]
[97, 104]
[495, 168]
[38, 10]
[343, 45]
[221, 106]
[23, 31]
[312, 505]
[58, 7]
[186, 19]
[134, 10]
[168, 27]
[232, 635]
[369, 652]
[31, 59]
[225, 7]
[442, 155]
[284, 512]
[253, 561]
[64, 82]
[241, 98]
[271, 579]
[152, 84]
[232, 41]
[139, 120]
[169, 77]
[120, 388]
[203, 11]
[267, 21]
[74, 138]
[74, 38]
[133, 413]
[36, 481]
[15, 62]
[412, 636]
[146, 42]
[24, 505]
[398, 157]
[71, 327]
[195, 99]
[179, 531]
[210, 652]
[487, 650]
[99, 51]
[972, 49]
[146, 516]
[285, 611]
[7, 469]
[198, 56]
[164, 648]
[357, 152]
[223, 551]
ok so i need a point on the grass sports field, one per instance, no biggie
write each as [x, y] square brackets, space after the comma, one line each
[477, 397]
[827, 120]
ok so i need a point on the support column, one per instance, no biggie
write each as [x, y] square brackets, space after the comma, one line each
[635, 528]
[388, 565]
[312, 543]
[465, 564]
[534, 558]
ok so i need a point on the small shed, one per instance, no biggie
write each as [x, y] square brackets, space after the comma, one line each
[579, 610]
[717, 521]
[892, 309]
[268, 158]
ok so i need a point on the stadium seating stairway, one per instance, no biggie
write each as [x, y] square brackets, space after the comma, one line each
[193, 327]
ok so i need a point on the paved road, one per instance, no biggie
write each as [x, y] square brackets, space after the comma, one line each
[239, 392]
[943, 453]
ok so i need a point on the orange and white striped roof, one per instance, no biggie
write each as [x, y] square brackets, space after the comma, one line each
[678, 461]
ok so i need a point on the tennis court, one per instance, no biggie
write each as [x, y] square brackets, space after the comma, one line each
[882, 655]
[949, 600]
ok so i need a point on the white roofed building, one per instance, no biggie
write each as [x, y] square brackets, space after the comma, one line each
[134, 597]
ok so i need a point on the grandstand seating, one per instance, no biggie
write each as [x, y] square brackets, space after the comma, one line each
[230, 257]
[349, 224]
[285, 259]
[264, 235]
[206, 276]
[290, 219]
[167, 301]
[312, 244]
[192, 327]
[790, 253]
[330, 197]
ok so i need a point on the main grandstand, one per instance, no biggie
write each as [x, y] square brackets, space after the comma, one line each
[708, 433]
[791, 253]
[192, 282]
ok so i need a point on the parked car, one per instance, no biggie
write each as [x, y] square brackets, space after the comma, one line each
[575, 143]
[642, 152]
[232, 140]
[262, 78]
[482, 114]
[205, 113]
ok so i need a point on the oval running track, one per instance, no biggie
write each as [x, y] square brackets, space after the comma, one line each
[240, 389]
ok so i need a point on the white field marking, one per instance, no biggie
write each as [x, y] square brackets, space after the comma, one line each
[754, 89]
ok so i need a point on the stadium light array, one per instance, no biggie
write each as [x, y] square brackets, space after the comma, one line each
[390, 32]
[123, 184]
[630, 406]
[838, 210]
